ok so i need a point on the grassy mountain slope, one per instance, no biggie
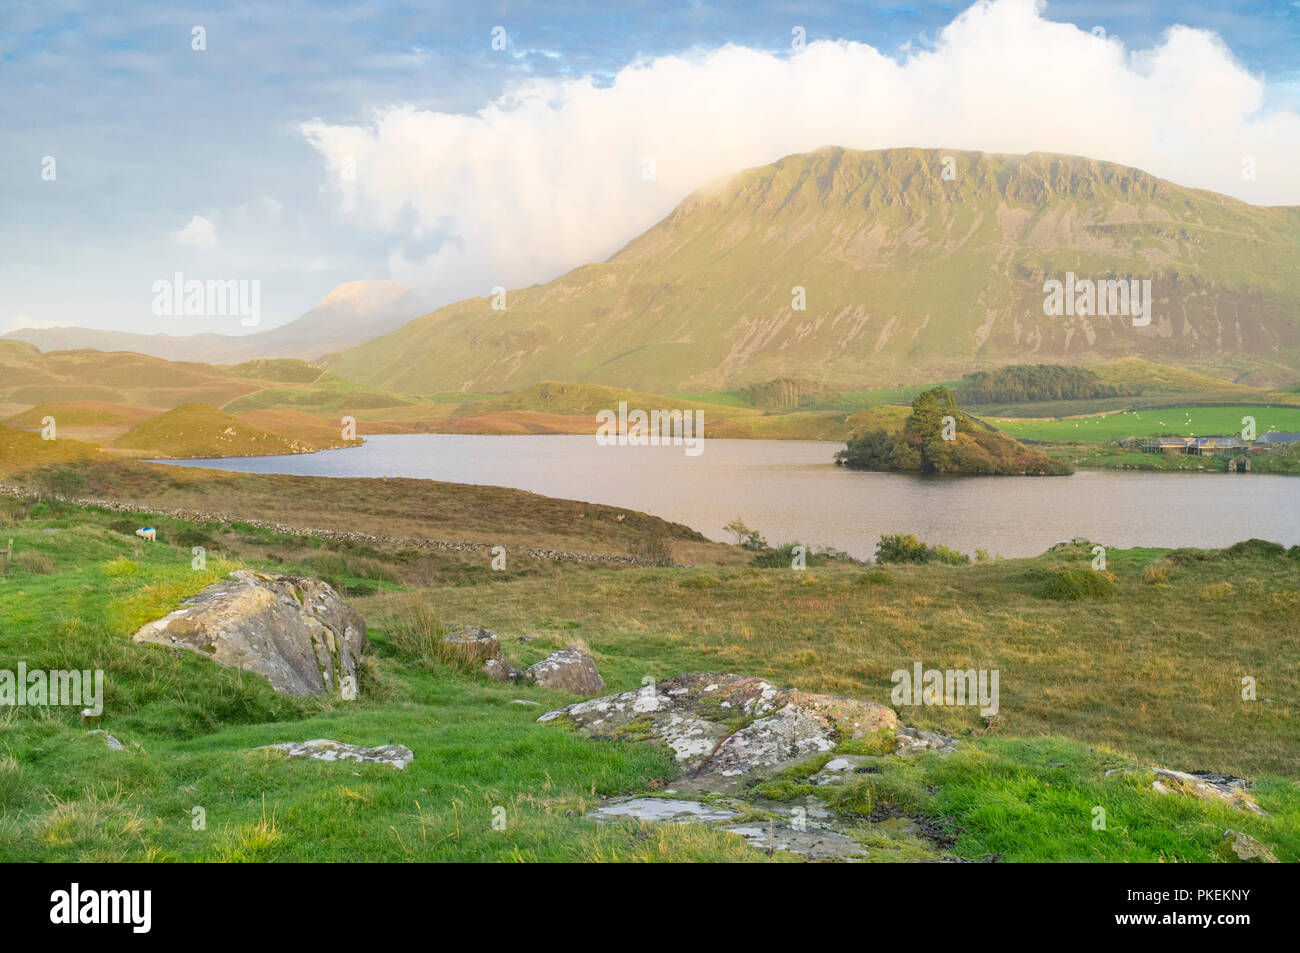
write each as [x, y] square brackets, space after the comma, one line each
[200, 430]
[907, 277]
[567, 397]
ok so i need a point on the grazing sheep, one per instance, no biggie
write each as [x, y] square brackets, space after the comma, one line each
[147, 532]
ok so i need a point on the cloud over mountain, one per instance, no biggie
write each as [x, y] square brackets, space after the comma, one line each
[562, 171]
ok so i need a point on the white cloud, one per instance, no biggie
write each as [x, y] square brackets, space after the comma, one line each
[550, 176]
[199, 232]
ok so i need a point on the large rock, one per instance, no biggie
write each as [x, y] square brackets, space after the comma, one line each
[729, 731]
[570, 670]
[1208, 786]
[294, 630]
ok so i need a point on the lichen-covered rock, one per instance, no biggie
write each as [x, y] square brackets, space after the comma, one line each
[570, 670]
[322, 749]
[729, 731]
[476, 644]
[294, 630]
[1207, 786]
[479, 645]
[501, 670]
[1237, 846]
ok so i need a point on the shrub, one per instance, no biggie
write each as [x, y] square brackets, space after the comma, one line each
[877, 577]
[1071, 584]
[868, 451]
[191, 536]
[1248, 548]
[652, 549]
[34, 562]
[906, 548]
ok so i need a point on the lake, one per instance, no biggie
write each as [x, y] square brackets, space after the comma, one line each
[791, 490]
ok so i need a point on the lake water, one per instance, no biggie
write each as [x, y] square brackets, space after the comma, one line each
[791, 490]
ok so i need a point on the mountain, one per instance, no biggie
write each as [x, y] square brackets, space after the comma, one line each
[350, 314]
[907, 276]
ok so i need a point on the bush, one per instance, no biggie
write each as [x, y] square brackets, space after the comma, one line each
[1070, 584]
[868, 451]
[906, 548]
[877, 577]
[1260, 548]
[783, 557]
[191, 536]
[652, 549]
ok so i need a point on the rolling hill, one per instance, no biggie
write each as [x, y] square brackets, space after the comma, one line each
[350, 314]
[200, 430]
[906, 276]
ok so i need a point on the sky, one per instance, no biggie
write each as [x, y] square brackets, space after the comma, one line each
[457, 147]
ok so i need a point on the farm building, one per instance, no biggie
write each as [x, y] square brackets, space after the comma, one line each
[1278, 439]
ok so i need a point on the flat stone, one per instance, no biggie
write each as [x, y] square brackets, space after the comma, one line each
[322, 749]
[661, 810]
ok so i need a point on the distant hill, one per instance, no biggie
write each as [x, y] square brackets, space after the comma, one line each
[905, 277]
[569, 398]
[200, 430]
[349, 315]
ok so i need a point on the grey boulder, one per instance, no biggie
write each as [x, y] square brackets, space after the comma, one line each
[570, 670]
[294, 630]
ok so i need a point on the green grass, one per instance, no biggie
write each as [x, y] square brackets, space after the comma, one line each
[1149, 674]
[1187, 420]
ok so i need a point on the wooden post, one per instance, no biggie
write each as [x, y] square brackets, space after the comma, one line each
[9, 556]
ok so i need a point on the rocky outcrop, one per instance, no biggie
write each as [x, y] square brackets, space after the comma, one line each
[1208, 786]
[294, 630]
[322, 749]
[730, 731]
[569, 670]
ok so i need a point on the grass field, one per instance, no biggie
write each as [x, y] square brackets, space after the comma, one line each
[1148, 674]
[1181, 421]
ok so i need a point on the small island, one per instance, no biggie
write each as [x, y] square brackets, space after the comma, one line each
[936, 437]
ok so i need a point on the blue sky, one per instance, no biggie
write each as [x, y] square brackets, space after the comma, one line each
[149, 134]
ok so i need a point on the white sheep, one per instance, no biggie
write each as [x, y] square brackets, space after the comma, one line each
[147, 532]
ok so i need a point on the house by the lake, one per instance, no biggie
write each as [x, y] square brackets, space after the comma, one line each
[1277, 439]
[1197, 446]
